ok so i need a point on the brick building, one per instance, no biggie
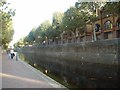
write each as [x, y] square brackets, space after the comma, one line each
[106, 27]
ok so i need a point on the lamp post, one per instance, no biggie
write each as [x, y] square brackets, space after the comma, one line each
[94, 33]
[101, 16]
[101, 12]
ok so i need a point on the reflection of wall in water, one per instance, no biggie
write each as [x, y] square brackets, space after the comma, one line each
[87, 64]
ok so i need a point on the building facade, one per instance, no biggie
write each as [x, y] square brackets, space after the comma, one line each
[106, 27]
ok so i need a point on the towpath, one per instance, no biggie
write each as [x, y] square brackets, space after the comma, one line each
[18, 74]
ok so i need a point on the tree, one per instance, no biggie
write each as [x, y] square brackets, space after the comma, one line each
[6, 29]
[31, 36]
[74, 19]
[40, 32]
[49, 32]
[113, 7]
[19, 44]
[57, 20]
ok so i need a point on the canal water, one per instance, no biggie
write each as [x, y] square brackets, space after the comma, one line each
[62, 81]
[95, 76]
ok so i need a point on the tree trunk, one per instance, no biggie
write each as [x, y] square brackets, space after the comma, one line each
[73, 36]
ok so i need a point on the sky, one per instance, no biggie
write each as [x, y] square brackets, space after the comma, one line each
[31, 13]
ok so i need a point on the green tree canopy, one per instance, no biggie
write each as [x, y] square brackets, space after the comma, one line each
[20, 43]
[57, 20]
[31, 36]
[40, 32]
[6, 27]
[74, 19]
[113, 7]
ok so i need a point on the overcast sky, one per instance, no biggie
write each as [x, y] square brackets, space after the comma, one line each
[31, 13]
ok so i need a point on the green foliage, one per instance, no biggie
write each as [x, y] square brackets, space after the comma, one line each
[113, 7]
[57, 20]
[49, 32]
[31, 36]
[40, 33]
[19, 44]
[6, 29]
[92, 9]
[43, 28]
[74, 19]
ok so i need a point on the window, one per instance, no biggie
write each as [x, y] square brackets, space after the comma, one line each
[108, 25]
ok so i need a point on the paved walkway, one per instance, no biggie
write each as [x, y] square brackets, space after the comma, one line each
[18, 74]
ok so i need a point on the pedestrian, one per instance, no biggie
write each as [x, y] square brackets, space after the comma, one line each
[12, 54]
[9, 54]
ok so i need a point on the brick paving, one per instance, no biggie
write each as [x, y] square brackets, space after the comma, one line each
[19, 74]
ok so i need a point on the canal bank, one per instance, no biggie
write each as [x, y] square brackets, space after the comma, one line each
[85, 64]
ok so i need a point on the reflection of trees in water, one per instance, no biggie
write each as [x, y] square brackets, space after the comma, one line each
[21, 56]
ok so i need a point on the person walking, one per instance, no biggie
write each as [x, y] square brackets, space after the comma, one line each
[9, 54]
[12, 54]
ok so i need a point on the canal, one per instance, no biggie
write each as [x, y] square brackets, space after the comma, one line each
[48, 73]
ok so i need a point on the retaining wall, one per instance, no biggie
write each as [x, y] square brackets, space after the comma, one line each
[86, 64]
